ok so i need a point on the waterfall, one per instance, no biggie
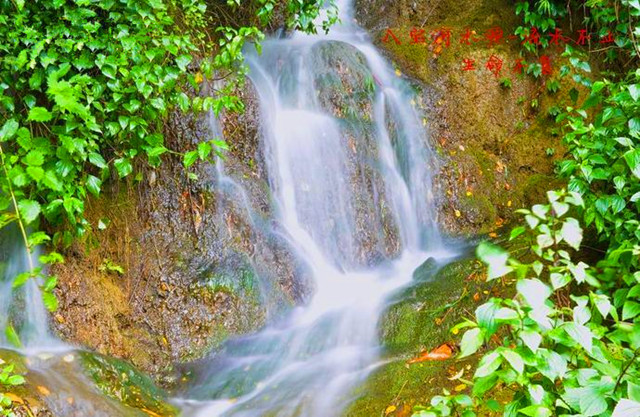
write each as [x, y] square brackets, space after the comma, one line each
[22, 308]
[323, 182]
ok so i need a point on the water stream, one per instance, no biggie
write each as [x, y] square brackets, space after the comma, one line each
[306, 364]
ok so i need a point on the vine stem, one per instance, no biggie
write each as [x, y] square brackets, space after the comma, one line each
[626, 368]
[23, 231]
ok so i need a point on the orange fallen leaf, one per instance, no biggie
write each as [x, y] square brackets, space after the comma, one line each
[440, 353]
[43, 390]
[493, 235]
[476, 297]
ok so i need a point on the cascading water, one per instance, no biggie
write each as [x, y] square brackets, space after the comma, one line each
[22, 309]
[306, 364]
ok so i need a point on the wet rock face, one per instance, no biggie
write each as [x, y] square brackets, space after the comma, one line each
[346, 88]
[81, 384]
[492, 140]
[201, 259]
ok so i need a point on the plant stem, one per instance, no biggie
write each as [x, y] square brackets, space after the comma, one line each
[626, 368]
[23, 230]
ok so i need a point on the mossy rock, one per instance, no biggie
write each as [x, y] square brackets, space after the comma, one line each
[122, 382]
[80, 384]
[343, 80]
[419, 319]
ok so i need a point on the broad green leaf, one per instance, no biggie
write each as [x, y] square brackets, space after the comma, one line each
[471, 342]
[97, 160]
[627, 408]
[93, 185]
[123, 167]
[531, 339]
[633, 161]
[29, 210]
[9, 129]
[496, 259]
[571, 233]
[34, 158]
[50, 301]
[488, 364]
[630, 310]
[514, 359]
[581, 334]
[12, 336]
[39, 114]
[190, 158]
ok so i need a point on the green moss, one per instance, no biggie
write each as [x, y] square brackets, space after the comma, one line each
[120, 381]
[418, 320]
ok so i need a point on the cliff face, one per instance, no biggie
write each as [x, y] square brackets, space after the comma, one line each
[175, 265]
[491, 129]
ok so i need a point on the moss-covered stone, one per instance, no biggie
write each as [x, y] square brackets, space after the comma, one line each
[80, 384]
[419, 320]
[120, 381]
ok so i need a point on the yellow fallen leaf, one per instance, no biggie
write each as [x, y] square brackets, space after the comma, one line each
[199, 78]
[389, 410]
[457, 213]
[460, 387]
[509, 203]
[455, 330]
[468, 193]
[398, 73]
[424, 122]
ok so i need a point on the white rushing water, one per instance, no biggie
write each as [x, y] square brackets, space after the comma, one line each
[307, 364]
[22, 308]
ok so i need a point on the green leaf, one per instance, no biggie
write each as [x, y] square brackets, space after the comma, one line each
[514, 359]
[93, 185]
[488, 364]
[97, 160]
[471, 342]
[36, 173]
[123, 166]
[21, 279]
[34, 158]
[571, 233]
[9, 129]
[634, 90]
[51, 180]
[633, 160]
[581, 334]
[15, 380]
[630, 310]
[39, 114]
[627, 408]
[531, 339]
[12, 336]
[29, 210]
[50, 301]
[496, 259]
[190, 158]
